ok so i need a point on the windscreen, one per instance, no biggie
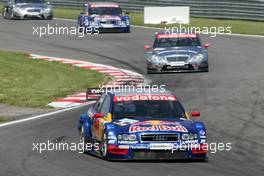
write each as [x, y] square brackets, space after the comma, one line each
[148, 109]
[176, 42]
[105, 11]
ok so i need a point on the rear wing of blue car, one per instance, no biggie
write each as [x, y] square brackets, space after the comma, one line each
[93, 94]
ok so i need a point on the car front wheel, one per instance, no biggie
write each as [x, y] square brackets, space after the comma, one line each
[104, 151]
[4, 13]
[83, 139]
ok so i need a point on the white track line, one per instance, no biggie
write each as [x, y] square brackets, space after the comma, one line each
[42, 115]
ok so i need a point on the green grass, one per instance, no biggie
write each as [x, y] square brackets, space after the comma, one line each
[66, 13]
[34, 83]
[6, 119]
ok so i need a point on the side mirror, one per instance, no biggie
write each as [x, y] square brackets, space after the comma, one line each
[146, 47]
[207, 45]
[195, 114]
[97, 115]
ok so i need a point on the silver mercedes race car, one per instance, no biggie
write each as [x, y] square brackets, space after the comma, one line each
[24, 9]
[177, 52]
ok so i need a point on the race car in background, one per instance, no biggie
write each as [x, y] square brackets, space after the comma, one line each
[103, 17]
[177, 52]
[141, 126]
[25, 9]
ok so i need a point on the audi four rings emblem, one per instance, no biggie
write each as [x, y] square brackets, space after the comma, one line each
[159, 138]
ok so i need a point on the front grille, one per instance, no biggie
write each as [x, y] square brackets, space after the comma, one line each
[109, 22]
[158, 154]
[33, 10]
[177, 59]
[159, 137]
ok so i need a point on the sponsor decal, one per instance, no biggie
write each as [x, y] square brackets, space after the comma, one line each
[203, 140]
[125, 121]
[136, 128]
[104, 5]
[144, 98]
[156, 122]
[96, 123]
[107, 17]
[160, 146]
[111, 133]
[161, 36]
[190, 142]
[112, 137]
[202, 132]
[112, 141]
[203, 137]
[127, 142]
[123, 146]
[140, 146]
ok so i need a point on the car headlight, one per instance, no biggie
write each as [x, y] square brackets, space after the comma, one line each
[198, 58]
[189, 136]
[158, 59]
[48, 9]
[127, 22]
[127, 137]
[17, 9]
[121, 22]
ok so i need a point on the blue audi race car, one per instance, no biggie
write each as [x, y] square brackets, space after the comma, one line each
[177, 52]
[103, 17]
[141, 126]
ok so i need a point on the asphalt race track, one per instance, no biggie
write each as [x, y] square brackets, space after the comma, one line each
[230, 98]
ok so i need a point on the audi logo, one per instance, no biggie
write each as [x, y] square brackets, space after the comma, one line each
[159, 138]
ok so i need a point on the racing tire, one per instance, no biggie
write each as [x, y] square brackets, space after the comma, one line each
[83, 139]
[103, 148]
[206, 69]
[11, 16]
[127, 30]
[4, 13]
[50, 18]
[150, 72]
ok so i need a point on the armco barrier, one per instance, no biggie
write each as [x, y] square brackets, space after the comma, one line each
[224, 9]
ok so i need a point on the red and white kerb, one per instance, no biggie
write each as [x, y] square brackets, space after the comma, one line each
[104, 5]
[144, 98]
[161, 36]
